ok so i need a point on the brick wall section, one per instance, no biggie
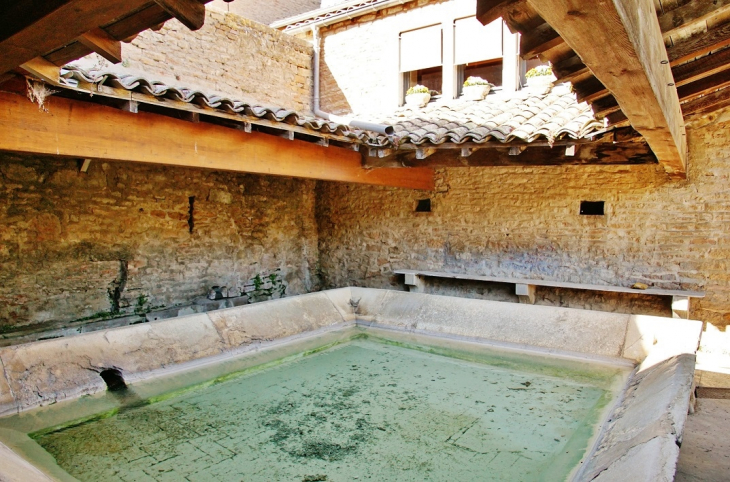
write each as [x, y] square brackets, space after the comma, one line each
[265, 11]
[69, 238]
[524, 222]
[230, 55]
[360, 56]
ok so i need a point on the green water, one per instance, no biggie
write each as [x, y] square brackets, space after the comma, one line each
[364, 409]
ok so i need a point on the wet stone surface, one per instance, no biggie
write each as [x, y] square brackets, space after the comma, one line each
[361, 410]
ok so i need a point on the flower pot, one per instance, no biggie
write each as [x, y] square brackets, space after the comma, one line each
[540, 81]
[418, 100]
[476, 92]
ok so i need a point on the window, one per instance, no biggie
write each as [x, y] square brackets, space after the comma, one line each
[421, 57]
[442, 56]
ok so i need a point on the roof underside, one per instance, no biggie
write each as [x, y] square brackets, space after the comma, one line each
[696, 35]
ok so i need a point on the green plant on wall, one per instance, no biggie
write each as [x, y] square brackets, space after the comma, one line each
[141, 302]
[266, 286]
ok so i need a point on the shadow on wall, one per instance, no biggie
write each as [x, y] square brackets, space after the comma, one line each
[332, 99]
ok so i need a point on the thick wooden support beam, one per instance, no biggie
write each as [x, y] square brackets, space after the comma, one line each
[190, 13]
[87, 130]
[631, 69]
[103, 44]
[58, 27]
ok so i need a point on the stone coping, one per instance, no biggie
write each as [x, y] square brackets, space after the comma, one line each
[45, 372]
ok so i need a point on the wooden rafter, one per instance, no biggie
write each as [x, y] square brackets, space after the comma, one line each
[190, 13]
[631, 69]
[59, 27]
[99, 41]
[64, 30]
[87, 130]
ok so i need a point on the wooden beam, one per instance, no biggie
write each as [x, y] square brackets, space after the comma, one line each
[631, 69]
[538, 40]
[102, 43]
[596, 153]
[190, 13]
[60, 27]
[43, 69]
[87, 130]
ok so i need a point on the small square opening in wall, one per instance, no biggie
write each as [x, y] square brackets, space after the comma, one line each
[423, 206]
[591, 208]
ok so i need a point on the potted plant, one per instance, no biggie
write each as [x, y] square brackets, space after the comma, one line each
[476, 88]
[540, 76]
[418, 96]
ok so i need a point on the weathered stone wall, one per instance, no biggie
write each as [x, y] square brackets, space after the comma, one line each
[76, 245]
[265, 11]
[230, 55]
[524, 222]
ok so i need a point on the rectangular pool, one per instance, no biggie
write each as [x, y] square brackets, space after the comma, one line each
[348, 404]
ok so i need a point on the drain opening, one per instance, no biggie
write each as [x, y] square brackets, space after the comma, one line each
[113, 379]
[423, 206]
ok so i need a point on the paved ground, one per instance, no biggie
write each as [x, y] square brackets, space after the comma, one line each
[705, 453]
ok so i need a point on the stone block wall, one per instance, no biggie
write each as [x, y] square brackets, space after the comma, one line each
[118, 238]
[229, 55]
[525, 222]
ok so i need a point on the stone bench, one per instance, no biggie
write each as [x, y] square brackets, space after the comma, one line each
[525, 288]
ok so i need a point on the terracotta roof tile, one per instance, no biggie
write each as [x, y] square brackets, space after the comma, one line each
[525, 115]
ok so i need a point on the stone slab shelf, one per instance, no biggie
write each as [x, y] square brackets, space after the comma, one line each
[525, 288]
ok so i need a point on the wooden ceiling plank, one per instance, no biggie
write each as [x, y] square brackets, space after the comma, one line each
[704, 86]
[631, 69]
[714, 39]
[692, 12]
[190, 13]
[60, 27]
[707, 103]
[102, 43]
[20, 14]
[701, 68]
[87, 130]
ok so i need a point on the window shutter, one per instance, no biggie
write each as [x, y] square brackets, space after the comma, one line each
[474, 42]
[420, 49]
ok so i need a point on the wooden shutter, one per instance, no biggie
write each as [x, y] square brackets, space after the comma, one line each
[420, 49]
[474, 42]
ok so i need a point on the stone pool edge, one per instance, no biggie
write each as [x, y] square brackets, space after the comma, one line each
[41, 373]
